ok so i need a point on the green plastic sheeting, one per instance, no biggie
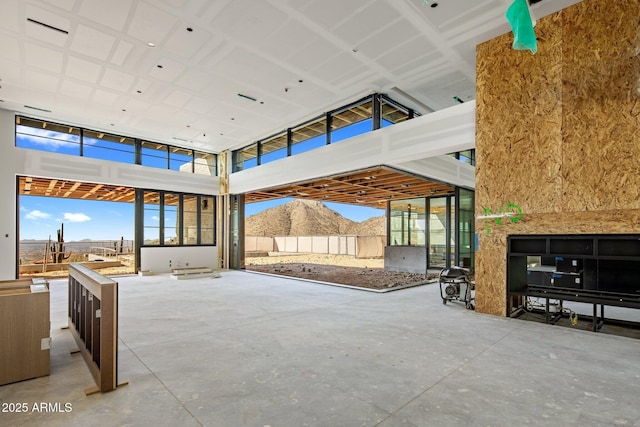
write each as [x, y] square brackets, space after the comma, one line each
[520, 20]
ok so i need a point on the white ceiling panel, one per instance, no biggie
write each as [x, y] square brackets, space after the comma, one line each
[10, 48]
[11, 18]
[122, 51]
[113, 13]
[11, 72]
[330, 13]
[166, 70]
[408, 54]
[177, 98]
[315, 53]
[244, 19]
[63, 4]
[183, 43]
[81, 69]
[75, 90]
[376, 15]
[424, 55]
[92, 43]
[44, 58]
[150, 24]
[288, 39]
[42, 81]
[117, 80]
[388, 40]
[105, 97]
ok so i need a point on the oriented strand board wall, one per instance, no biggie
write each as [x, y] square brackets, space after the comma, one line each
[558, 133]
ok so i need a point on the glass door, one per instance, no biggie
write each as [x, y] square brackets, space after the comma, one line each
[438, 242]
[466, 232]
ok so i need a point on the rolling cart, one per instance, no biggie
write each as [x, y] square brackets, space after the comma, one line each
[456, 286]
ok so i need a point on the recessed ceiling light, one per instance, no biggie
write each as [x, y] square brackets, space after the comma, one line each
[434, 4]
[300, 81]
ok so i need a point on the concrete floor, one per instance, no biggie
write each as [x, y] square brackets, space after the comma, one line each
[252, 350]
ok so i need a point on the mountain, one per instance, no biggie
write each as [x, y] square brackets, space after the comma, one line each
[308, 218]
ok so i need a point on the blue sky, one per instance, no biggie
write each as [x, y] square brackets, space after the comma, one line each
[40, 217]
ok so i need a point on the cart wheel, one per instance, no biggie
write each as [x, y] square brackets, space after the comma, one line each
[444, 301]
[470, 306]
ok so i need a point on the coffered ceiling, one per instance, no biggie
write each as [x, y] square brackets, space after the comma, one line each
[173, 70]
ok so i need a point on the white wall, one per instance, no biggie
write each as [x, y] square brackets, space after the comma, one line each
[162, 260]
[419, 145]
[16, 161]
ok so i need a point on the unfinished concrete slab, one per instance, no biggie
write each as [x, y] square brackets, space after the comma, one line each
[253, 350]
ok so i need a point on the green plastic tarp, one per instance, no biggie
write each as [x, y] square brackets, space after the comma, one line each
[524, 37]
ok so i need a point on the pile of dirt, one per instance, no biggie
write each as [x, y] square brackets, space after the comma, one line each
[309, 218]
[369, 278]
[342, 269]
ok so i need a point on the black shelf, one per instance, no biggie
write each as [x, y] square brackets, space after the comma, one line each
[602, 269]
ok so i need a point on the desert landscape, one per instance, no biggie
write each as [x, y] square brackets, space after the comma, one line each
[313, 218]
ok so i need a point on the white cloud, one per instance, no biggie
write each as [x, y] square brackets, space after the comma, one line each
[52, 140]
[155, 218]
[76, 217]
[36, 214]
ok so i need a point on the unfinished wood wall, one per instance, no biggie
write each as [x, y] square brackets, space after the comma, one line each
[558, 133]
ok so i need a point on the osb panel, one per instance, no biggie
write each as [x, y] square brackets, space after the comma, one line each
[601, 105]
[518, 122]
[491, 289]
[558, 133]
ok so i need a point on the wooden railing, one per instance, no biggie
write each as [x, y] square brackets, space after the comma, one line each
[93, 322]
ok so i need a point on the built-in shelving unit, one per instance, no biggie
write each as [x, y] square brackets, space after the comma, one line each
[600, 269]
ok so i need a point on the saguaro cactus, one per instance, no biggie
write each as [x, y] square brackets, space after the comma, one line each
[57, 248]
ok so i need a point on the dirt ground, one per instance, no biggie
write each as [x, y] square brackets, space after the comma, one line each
[345, 270]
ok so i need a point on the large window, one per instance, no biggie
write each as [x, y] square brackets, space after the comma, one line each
[154, 155]
[352, 121]
[177, 219]
[58, 138]
[45, 136]
[392, 112]
[207, 220]
[342, 123]
[466, 156]
[273, 149]
[205, 164]
[309, 136]
[100, 145]
[152, 218]
[245, 158]
[407, 222]
[171, 222]
[180, 159]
